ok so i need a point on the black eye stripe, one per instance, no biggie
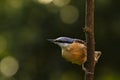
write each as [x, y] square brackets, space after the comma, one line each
[62, 41]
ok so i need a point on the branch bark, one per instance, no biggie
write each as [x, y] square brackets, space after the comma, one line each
[89, 29]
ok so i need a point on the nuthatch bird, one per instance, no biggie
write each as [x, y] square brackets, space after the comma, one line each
[73, 50]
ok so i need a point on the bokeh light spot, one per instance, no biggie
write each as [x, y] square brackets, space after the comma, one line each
[61, 3]
[69, 14]
[9, 66]
[45, 1]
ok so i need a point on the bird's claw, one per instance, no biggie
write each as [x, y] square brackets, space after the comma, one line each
[86, 71]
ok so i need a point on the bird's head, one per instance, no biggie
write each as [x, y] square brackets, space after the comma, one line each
[63, 42]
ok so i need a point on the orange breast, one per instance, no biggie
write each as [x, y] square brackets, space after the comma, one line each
[76, 53]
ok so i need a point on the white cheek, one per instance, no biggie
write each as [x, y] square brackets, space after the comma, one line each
[66, 44]
[63, 45]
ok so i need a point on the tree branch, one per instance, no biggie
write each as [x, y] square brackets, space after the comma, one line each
[89, 29]
[92, 55]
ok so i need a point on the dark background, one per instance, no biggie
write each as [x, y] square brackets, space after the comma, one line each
[25, 26]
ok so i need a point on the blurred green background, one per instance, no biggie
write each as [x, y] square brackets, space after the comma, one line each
[25, 26]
